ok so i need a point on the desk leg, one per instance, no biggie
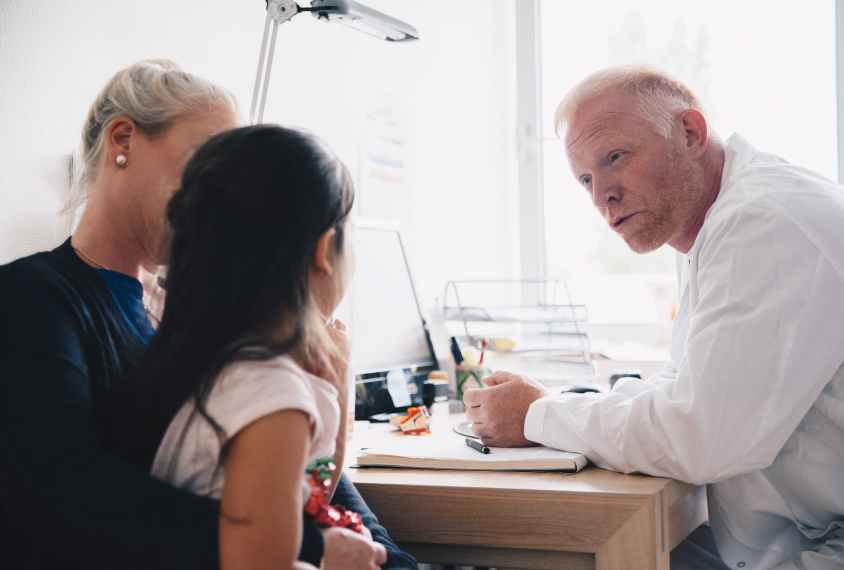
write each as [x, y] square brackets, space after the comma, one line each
[640, 544]
[686, 512]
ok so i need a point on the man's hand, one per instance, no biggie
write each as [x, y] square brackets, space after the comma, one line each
[348, 550]
[498, 413]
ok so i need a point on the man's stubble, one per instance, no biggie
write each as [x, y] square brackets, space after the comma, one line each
[674, 204]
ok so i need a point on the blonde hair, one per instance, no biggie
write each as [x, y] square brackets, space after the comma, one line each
[155, 94]
[660, 96]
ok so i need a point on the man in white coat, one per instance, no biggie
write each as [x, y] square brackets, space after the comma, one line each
[752, 401]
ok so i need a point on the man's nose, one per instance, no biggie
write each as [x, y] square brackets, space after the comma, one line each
[604, 191]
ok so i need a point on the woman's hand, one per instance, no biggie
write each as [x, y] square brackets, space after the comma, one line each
[348, 550]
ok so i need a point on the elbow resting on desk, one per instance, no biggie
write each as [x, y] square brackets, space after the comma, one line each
[607, 428]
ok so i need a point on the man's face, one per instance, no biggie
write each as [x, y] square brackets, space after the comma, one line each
[646, 187]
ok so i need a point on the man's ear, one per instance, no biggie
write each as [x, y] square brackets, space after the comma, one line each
[121, 132]
[696, 131]
[323, 253]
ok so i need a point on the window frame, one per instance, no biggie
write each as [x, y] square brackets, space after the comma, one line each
[530, 136]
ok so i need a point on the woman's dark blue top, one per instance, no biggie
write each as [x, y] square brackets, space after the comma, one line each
[68, 336]
[128, 293]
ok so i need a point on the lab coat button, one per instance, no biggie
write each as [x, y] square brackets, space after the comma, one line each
[741, 564]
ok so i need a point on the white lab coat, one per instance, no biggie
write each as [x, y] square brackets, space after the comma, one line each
[752, 400]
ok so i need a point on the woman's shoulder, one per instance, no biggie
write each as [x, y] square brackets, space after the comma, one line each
[46, 263]
[42, 267]
[49, 300]
[50, 275]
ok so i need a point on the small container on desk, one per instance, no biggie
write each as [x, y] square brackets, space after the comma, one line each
[469, 377]
[469, 374]
[435, 393]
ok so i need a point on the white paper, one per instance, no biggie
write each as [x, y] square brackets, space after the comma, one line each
[421, 447]
[384, 187]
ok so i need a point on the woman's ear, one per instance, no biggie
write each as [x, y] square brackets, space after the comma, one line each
[324, 253]
[119, 137]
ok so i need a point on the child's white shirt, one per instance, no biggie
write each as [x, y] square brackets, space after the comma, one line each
[245, 391]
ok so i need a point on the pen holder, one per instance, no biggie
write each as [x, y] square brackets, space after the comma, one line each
[468, 378]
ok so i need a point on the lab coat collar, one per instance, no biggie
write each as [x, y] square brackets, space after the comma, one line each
[737, 153]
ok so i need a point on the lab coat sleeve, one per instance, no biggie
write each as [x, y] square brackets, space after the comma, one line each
[631, 386]
[765, 336]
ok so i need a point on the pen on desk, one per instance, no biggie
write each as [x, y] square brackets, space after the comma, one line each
[476, 445]
[455, 352]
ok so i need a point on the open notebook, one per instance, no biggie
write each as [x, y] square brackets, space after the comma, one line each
[453, 453]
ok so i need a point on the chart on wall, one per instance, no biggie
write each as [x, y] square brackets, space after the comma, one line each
[384, 185]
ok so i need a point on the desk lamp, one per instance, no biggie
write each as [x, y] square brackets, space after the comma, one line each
[346, 12]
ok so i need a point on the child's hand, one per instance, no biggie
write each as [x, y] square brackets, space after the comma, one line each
[332, 362]
[333, 367]
[338, 357]
[340, 364]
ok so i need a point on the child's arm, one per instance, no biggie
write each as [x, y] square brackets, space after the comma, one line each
[337, 333]
[340, 443]
[261, 506]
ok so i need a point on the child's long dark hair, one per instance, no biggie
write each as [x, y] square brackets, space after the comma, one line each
[246, 220]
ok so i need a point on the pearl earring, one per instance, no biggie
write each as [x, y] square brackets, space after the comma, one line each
[121, 160]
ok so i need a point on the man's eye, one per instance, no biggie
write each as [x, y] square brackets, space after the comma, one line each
[586, 181]
[615, 156]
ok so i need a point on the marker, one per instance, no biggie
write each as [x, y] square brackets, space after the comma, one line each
[476, 445]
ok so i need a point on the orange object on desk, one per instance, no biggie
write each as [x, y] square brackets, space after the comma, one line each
[416, 422]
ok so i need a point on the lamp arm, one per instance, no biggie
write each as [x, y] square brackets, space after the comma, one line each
[278, 12]
[260, 68]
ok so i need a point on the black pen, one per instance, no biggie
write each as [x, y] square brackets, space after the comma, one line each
[455, 351]
[476, 445]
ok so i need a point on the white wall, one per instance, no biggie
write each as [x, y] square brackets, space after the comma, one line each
[457, 82]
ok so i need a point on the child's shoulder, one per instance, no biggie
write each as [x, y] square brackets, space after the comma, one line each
[247, 381]
[264, 378]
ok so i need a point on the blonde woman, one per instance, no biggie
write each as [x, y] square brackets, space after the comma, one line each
[74, 320]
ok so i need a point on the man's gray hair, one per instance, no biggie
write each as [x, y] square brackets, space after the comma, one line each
[660, 96]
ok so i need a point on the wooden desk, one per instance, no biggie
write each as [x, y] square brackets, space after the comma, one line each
[594, 519]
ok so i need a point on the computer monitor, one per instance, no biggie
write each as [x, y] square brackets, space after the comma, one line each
[389, 336]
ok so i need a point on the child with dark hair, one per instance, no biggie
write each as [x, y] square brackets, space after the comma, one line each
[245, 382]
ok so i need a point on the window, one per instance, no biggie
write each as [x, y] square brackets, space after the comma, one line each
[764, 69]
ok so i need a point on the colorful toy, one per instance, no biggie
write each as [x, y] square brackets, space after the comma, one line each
[416, 422]
[325, 515]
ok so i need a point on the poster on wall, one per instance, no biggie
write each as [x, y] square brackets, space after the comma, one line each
[384, 185]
